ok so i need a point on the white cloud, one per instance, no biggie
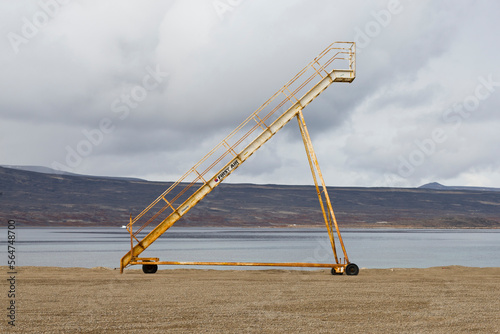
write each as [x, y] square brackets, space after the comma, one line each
[419, 62]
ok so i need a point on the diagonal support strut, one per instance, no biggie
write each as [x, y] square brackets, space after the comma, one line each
[324, 198]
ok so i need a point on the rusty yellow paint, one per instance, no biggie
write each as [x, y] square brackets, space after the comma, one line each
[337, 63]
[328, 213]
[258, 264]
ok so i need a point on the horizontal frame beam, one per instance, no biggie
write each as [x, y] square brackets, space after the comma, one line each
[256, 264]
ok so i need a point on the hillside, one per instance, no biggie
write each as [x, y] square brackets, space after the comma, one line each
[438, 186]
[44, 199]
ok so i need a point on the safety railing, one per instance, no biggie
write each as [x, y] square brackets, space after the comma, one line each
[338, 56]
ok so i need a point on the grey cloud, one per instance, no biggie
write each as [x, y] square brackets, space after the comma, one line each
[223, 68]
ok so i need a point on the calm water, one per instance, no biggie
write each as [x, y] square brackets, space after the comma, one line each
[85, 247]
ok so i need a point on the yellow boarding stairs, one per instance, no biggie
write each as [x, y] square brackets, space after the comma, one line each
[337, 63]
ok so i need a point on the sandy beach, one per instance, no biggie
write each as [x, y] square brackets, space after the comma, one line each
[101, 300]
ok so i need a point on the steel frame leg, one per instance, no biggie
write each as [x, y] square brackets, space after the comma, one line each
[324, 198]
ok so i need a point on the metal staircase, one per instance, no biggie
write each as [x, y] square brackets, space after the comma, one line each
[335, 64]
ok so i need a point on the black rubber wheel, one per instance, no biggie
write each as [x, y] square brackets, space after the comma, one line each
[335, 273]
[149, 268]
[351, 269]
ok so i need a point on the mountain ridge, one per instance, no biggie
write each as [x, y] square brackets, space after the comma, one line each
[439, 186]
[48, 170]
[40, 199]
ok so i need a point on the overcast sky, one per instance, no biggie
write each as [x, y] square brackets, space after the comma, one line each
[146, 88]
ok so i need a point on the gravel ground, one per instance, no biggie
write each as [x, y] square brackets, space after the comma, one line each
[101, 300]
